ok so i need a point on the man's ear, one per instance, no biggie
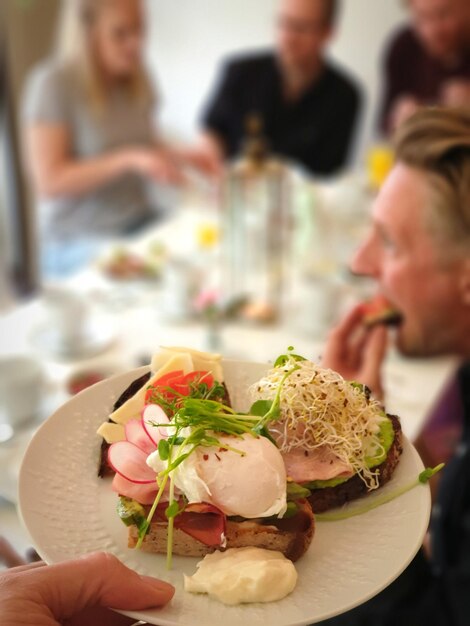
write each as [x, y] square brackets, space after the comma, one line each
[465, 281]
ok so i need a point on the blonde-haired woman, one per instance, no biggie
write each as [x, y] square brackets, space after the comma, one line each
[90, 142]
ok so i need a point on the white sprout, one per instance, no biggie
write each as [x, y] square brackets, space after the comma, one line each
[319, 408]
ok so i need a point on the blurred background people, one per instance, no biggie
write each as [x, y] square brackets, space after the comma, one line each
[428, 61]
[418, 251]
[308, 106]
[90, 143]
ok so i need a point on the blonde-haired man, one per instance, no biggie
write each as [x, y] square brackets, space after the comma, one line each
[419, 253]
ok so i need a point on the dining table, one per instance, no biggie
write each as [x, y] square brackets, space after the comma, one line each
[133, 318]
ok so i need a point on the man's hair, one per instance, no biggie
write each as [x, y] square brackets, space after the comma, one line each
[437, 142]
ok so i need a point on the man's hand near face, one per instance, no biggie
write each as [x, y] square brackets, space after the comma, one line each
[357, 352]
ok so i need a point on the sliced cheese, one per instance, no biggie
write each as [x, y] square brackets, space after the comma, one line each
[205, 365]
[201, 361]
[111, 433]
[132, 409]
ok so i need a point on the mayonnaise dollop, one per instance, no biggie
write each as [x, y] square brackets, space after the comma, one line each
[241, 575]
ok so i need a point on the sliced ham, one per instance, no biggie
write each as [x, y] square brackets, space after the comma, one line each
[145, 494]
[130, 461]
[202, 521]
[303, 466]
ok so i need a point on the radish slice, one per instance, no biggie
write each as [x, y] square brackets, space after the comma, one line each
[145, 494]
[154, 414]
[136, 434]
[130, 462]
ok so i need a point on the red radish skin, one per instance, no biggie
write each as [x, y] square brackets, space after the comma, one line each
[145, 494]
[136, 434]
[130, 462]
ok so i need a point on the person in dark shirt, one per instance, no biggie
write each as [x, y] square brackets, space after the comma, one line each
[419, 253]
[427, 63]
[309, 108]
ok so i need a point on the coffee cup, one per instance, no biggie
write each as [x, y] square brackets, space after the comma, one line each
[67, 313]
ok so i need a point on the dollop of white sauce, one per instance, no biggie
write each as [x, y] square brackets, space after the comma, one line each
[242, 575]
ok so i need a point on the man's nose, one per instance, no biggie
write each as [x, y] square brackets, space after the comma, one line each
[366, 261]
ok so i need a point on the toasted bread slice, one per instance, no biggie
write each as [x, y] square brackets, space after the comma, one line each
[331, 497]
[291, 536]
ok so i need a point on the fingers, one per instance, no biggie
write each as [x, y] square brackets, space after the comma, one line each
[374, 354]
[350, 323]
[98, 580]
[343, 344]
[27, 567]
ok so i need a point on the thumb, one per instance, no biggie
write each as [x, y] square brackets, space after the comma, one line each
[98, 580]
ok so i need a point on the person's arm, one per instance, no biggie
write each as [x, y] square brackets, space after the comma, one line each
[55, 172]
[455, 93]
[206, 155]
[77, 592]
[356, 352]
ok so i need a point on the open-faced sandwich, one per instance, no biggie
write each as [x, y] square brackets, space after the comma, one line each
[336, 440]
[379, 310]
[192, 474]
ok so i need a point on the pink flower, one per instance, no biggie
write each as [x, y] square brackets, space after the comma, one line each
[207, 299]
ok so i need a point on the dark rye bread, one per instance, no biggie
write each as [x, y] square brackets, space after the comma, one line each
[331, 497]
[291, 536]
[104, 468]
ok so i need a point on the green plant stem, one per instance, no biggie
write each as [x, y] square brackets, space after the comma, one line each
[369, 505]
[171, 523]
[153, 509]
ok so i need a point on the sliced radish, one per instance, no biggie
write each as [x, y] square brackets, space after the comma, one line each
[136, 434]
[145, 494]
[151, 415]
[130, 462]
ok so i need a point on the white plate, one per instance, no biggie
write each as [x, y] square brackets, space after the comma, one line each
[69, 511]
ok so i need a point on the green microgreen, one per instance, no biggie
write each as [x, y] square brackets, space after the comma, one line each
[170, 400]
[290, 356]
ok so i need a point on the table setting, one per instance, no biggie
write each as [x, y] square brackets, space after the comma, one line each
[88, 334]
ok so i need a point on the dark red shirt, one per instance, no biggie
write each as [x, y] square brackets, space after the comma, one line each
[410, 70]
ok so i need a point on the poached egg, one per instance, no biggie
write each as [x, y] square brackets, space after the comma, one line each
[250, 485]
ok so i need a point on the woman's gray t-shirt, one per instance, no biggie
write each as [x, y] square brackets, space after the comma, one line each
[55, 94]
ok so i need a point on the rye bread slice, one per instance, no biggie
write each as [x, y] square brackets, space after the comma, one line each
[291, 536]
[331, 497]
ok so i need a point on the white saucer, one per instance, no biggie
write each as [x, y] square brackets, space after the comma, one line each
[96, 339]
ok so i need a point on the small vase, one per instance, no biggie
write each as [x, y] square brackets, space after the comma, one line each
[213, 339]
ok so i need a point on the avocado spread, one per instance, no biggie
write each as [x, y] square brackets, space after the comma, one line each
[130, 512]
[387, 436]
